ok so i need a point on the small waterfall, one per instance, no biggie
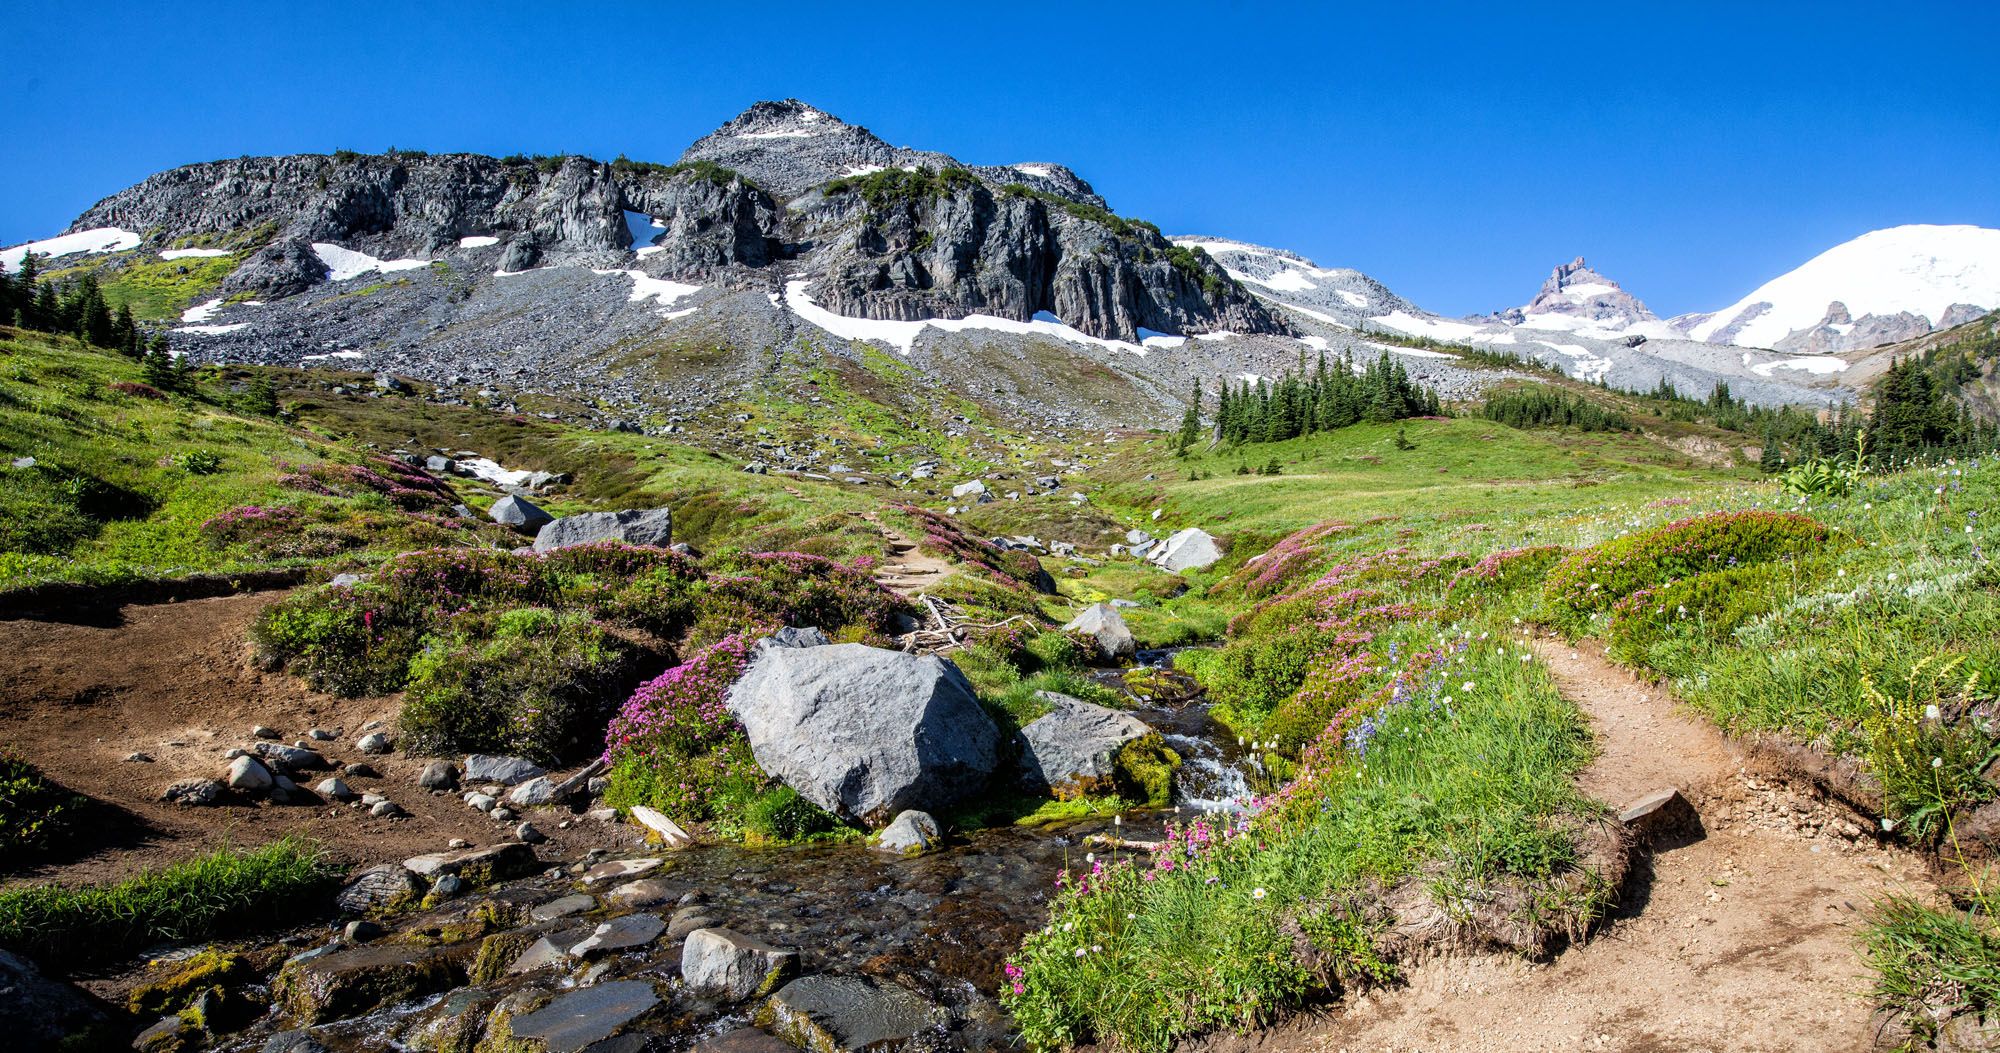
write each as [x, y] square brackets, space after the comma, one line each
[1209, 778]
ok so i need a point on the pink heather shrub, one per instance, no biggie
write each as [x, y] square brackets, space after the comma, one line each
[405, 487]
[674, 745]
[1285, 562]
[945, 539]
[250, 522]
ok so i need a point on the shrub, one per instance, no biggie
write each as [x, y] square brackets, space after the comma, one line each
[225, 892]
[34, 812]
[945, 539]
[1712, 604]
[766, 590]
[198, 462]
[1592, 580]
[674, 744]
[1925, 746]
[530, 682]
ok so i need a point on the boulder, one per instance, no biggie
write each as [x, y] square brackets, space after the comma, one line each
[507, 771]
[438, 775]
[1191, 549]
[38, 1013]
[910, 834]
[519, 515]
[633, 526]
[249, 775]
[645, 892]
[847, 1014]
[334, 789]
[974, 490]
[563, 907]
[1106, 629]
[539, 790]
[791, 636]
[194, 793]
[660, 827]
[479, 865]
[735, 966]
[863, 732]
[314, 990]
[374, 743]
[576, 1019]
[1137, 537]
[1072, 749]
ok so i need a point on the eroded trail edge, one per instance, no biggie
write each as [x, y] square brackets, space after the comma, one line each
[1738, 938]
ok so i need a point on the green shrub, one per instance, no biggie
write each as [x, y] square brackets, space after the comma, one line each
[780, 816]
[533, 683]
[1711, 604]
[34, 812]
[1925, 746]
[228, 891]
[1591, 581]
[198, 462]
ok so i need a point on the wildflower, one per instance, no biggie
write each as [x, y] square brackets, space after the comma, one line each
[1096, 948]
[1888, 823]
[1892, 577]
[1129, 916]
[1467, 686]
[1937, 762]
[1068, 925]
[1256, 893]
[1930, 712]
[1080, 952]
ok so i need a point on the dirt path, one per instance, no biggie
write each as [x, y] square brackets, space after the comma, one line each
[1740, 941]
[173, 682]
[907, 571]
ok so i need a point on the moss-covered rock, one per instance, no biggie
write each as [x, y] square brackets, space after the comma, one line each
[1145, 770]
[347, 983]
[171, 985]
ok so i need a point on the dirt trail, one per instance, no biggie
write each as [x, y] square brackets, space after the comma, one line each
[172, 681]
[907, 571]
[1741, 940]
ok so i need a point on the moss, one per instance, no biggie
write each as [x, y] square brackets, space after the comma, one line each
[1145, 770]
[496, 953]
[175, 984]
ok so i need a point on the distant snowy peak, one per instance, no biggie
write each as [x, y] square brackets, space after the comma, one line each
[1575, 297]
[1884, 286]
[1335, 296]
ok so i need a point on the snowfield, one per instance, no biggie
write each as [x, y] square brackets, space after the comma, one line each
[903, 335]
[1920, 268]
[477, 242]
[96, 239]
[645, 287]
[195, 254]
[343, 264]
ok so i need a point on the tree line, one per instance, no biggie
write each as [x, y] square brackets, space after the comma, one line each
[1334, 395]
[77, 307]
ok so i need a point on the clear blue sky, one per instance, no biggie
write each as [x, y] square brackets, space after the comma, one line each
[1456, 152]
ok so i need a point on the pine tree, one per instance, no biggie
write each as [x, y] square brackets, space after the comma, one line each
[1772, 461]
[1190, 423]
[124, 331]
[259, 397]
[158, 367]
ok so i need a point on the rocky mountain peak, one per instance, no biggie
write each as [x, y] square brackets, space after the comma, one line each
[1573, 292]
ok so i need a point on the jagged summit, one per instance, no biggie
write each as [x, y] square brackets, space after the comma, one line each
[1575, 296]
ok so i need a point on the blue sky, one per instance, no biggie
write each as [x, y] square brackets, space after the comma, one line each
[1456, 152]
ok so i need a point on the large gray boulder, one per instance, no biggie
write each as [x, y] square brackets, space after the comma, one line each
[1107, 631]
[507, 771]
[519, 515]
[1072, 749]
[866, 733]
[1191, 549]
[633, 526]
[733, 965]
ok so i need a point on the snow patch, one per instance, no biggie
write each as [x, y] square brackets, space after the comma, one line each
[334, 354]
[1037, 170]
[789, 133]
[1435, 328]
[1818, 365]
[488, 470]
[343, 264]
[1354, 299]
[645, 286]
[212, 330]
[195, 254]
[903, 335]
[201, 312]
[477, 241]
[1288, 280]
[1317, 343]
[644, 230]
[861, 170]
[96, 239]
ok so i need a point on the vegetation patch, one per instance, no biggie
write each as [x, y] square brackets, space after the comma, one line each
[1580, 588]
[34, 812]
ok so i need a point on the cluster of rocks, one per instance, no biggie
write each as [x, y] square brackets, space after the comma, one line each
[632, 526]
[267, 769]
[1189, 549]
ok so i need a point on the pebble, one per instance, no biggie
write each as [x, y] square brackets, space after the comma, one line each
[527, 834]
[458, 842]
[263, 732]
[448, 886]
[139, 757]
[373, 742]
[359, 770]
[320, 735]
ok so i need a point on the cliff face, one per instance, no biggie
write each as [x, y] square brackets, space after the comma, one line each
[783, 182]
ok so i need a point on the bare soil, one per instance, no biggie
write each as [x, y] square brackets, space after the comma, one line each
[1737, 938]
[174, 681]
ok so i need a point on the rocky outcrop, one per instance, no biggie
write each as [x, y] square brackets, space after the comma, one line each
[1190, 549]
[1575, 292]
[866, 733]
[1106, 629]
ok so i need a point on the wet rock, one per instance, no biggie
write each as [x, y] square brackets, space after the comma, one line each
[650, 527]
[38, 1012]
[351, 982]
[688, 919]
[910, 834]
[546, 951]
[382, 888]
[564, 907]
[1108, 634]
[374, 743]
[249, 775]
[165, 1036]
[837, 1014]
[1191, 549]
[578, 1018]
[195, 792]
[537, 791]
[507, 771]
[448, 887]
[618, 869]
[438, 775]
[519, 515]
[481, 866]
[293, 1042]
[620, 934]
[1073, 748]
[863, 732]
[743, 1040]
[660, 828]
[728, 963]
[645, 892]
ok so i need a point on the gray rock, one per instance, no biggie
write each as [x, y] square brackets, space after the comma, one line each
[482, 865]
[195, 792]
[362, 930]
[519, 515]
[863, 732]
[1107, 631]
[291, 759]
[334, 789]
[449, 886]
[537, 791]
[385, 810]
[792, 636]
[293, 1042]
[1190, 549]
[1070, 749]
[735, 966]
[848, 1013]
[660, 827]
[484, 802]
[507, 771]
[374, 743]
[910, 834]
[263, 732]
[360, 770]
[975, 490]
[1137, 537]
[619, 869]
[165, 1034]
[384, 887]
[564, 907]
[36, 1012]
[651, 526]
[578, 1018]
[438, 775]
[527, 834]
[645, 892]
[320, 735]
[249, 775]
[620, 934]
[743, 1040]
[437, 465]
[25, 462]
